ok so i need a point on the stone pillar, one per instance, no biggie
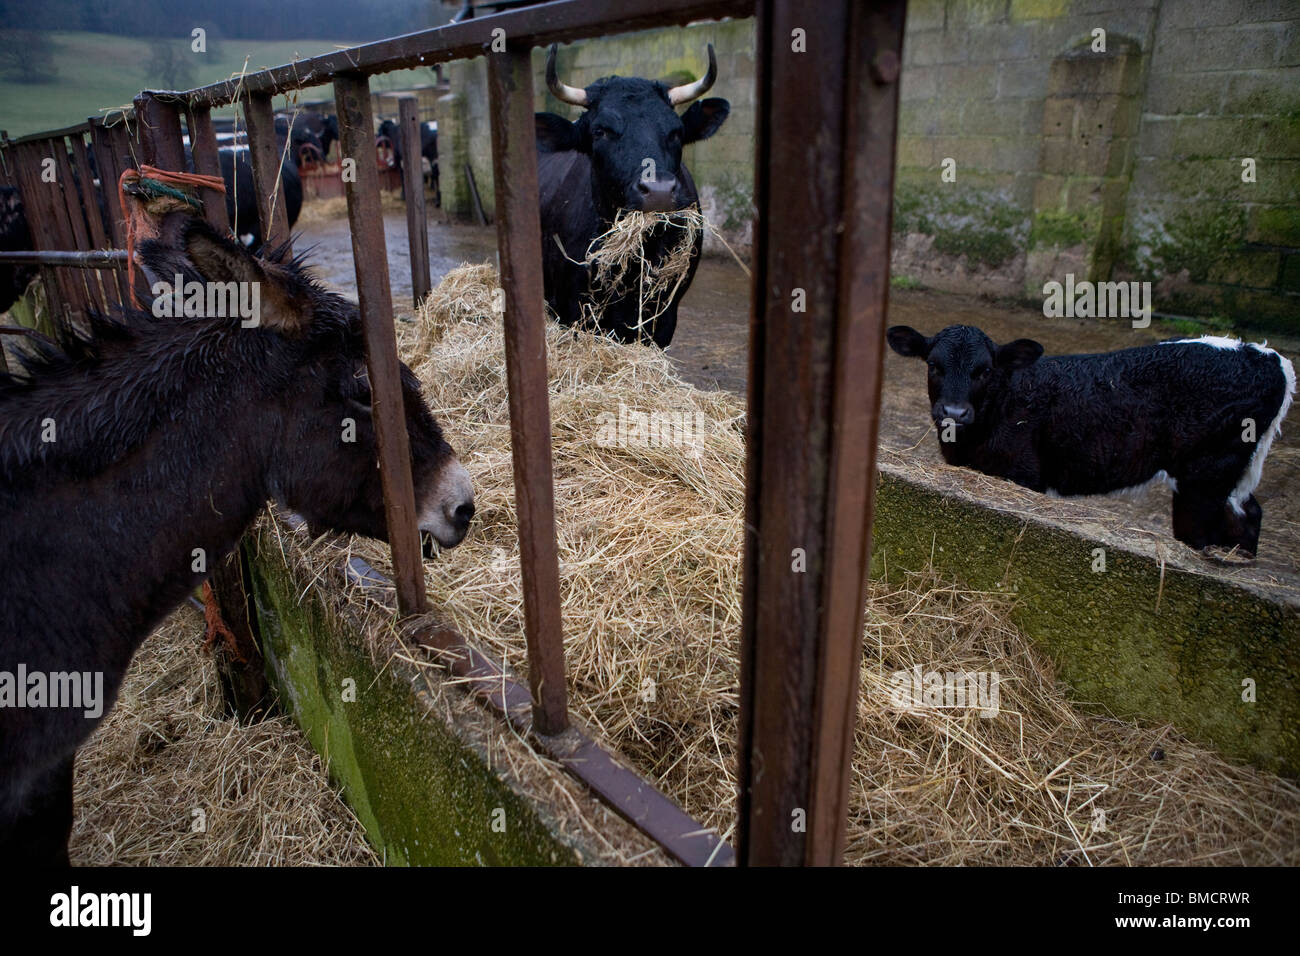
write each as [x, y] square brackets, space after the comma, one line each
[1090, 123]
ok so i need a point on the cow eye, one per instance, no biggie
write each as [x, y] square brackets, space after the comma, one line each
[599, 132]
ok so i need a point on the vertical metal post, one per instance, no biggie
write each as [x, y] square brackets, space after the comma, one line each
[47, 220]
[264, 152]
[519, 240]
[416, 228]
[824, 184]
[86, 281]
[207, 162]
[369, 252]
[158, 127]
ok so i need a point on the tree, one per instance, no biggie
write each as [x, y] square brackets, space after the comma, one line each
[27, 56]
[169, 67]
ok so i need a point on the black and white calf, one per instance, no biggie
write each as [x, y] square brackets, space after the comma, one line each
[1200, 414]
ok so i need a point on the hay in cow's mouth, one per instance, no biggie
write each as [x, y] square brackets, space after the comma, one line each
[650, 539]
[619, 267]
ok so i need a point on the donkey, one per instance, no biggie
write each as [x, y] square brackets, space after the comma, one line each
[129, 451]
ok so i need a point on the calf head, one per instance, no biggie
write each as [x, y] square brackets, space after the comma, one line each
[967, 371]
[633, 135]
[302, 368]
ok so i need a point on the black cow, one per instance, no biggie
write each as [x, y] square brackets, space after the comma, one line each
[624, 152]
[15, 236]
[428, 148]
[242, 199]
[1200, 414]
[310, 127]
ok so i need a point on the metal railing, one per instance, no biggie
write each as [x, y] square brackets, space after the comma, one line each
[826, 118]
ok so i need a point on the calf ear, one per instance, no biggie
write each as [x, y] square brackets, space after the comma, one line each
[1018, 354]
[905, 340]
[555, 134]
[703, 119]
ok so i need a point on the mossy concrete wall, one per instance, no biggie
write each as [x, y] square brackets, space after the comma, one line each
[424, 794]
[1137, 179]
[1163, 645]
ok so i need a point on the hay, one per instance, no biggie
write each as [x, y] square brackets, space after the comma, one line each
[336, 207]
[650, 540]
[166, 750]
[618, 266]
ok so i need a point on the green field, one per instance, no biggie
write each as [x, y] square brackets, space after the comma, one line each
[97, 71]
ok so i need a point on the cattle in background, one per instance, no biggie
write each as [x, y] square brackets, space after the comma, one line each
[591, 169]
[241, 196]
[310, 127]
[1200, 414]
[15, 236]
[428, 151]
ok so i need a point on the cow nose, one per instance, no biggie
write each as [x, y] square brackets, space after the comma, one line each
[657, 194]
[961, 414]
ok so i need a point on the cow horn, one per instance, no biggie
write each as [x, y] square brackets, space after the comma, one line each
[563, 93]
[693, 91]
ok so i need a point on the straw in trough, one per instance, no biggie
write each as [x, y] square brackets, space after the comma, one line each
[168, 779]
[649, 488]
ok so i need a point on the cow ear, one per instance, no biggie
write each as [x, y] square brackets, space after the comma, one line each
[703, 119]
[1018, 354]
[555, 134]
[905, 340]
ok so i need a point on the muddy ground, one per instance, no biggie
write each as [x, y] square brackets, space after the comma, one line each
[712, 339]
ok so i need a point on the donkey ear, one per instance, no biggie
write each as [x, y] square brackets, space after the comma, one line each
[222, 260]
[905, 340]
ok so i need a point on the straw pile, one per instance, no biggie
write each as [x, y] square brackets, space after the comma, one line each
[166, 750]
[650, 541]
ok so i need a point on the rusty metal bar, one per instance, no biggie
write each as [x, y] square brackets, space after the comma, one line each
[95, 216]
[39, 137]
[417, 229]
[519, 241]
[92, 259]
[47, 220]
[158, 127]
[264, 153]
[640, 803]
[824, 178]
[72, 204]
[560, 22]
[207, 162]
[370, 253]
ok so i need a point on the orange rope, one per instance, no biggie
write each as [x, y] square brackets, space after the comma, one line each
[162, 176]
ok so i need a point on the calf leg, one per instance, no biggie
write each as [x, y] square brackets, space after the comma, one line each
[38, 835]
[1203, 519]
[1242, 530]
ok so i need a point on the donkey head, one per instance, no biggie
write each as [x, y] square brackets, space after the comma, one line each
[300, 362]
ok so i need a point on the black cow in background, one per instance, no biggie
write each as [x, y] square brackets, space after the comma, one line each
[590, 169]
[15, 236]
[428, 150]
[310, 127]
